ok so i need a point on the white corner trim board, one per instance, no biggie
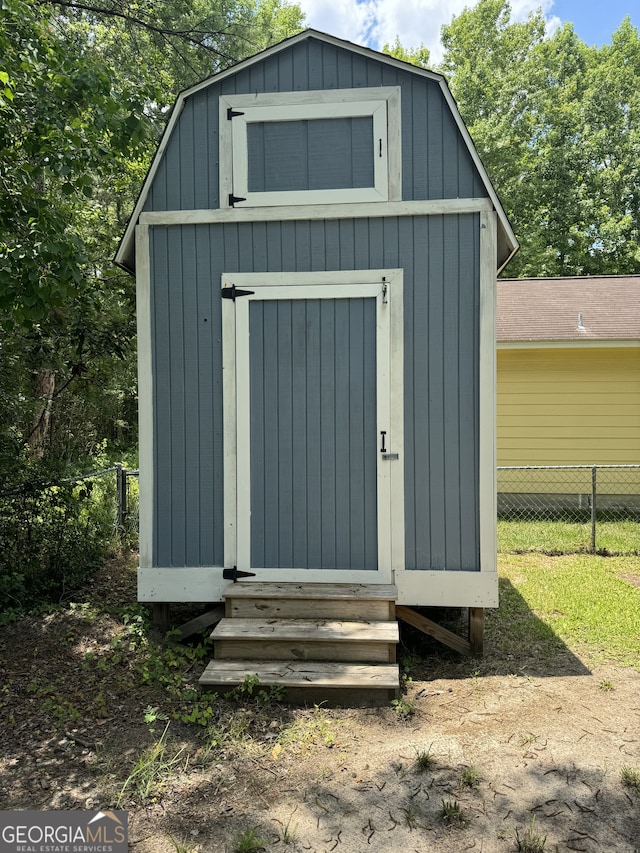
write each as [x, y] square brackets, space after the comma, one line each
[145, 395]
[487, 475]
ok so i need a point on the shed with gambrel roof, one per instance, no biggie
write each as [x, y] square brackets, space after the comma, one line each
[316, 246]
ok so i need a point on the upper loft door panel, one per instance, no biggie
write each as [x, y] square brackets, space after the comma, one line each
[316, 147]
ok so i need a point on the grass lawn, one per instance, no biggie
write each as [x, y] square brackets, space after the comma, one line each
[566, 537]
[591, 603]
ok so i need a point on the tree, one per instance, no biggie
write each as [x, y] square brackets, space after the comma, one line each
[416, 55]
[556, 124]
[611, 111]
[84, 91]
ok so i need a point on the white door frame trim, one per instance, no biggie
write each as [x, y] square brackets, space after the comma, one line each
[386, 287]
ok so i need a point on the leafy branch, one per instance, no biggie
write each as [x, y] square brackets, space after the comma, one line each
[198, 36]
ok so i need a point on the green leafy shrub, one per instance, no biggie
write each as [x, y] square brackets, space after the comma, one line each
[51, 538]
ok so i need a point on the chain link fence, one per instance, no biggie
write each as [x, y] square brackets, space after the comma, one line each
[550, 509]
[569, 508]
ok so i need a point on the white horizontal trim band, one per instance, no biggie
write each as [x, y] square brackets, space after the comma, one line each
[426, 588]
[357, 210]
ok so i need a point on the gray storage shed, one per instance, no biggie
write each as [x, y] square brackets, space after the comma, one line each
[316, 247]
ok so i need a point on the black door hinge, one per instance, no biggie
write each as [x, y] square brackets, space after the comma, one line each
[234, 198]
[233, 113]
[233, 292]
[233, 574]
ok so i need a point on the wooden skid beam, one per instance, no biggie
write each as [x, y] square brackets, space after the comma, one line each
[428, 626]
[201, 623]
[476, 630]
[161, 615]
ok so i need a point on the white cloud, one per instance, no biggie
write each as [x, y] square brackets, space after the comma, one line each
[377, 22]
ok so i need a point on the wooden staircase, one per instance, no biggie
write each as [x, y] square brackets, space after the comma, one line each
[321, 642]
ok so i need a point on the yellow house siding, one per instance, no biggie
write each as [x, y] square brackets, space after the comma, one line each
[568, 406]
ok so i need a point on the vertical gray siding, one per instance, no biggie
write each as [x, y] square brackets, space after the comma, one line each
[313, 434]
[440, 258]
[435, 161]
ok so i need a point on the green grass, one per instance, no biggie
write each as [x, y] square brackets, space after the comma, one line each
[567, 537]
[249, 842]
[580, 599]
[424, 760]
[630, 777]
[531, 841]
[470, 777]
[452, 814]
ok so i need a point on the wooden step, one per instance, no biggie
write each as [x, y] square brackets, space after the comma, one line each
[305, 639]
[322, 679]
[343, 602]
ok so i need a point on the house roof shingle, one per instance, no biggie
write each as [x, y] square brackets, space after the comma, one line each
[566, 309]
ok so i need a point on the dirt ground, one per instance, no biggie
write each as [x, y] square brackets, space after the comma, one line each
[524, 749]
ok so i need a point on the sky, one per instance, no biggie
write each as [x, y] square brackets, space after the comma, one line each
[376, 22]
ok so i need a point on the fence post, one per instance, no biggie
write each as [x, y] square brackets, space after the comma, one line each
[594, 471]
[124, 498]
[118, 497]
[121, 496]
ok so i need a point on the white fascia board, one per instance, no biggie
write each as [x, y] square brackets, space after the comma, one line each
[574, 343]
[125, 256]
[183, 583]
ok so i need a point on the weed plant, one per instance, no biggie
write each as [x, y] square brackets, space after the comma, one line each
[630, 777]
[531, 841]
[424, 760]
[470, 778]
[249, 842]
[452, 814]
[152, 771]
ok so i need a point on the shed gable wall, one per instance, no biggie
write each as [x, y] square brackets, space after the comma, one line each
[436, 163]
[440, 258]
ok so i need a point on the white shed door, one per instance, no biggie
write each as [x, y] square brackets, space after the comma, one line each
[309, 415]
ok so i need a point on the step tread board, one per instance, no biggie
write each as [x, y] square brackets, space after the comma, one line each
[299, 650]
[310, 630]
[303, 674]
[316, 591]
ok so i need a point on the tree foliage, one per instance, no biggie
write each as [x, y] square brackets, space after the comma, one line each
[415, 55]
[557, 123]
[85, 87]
[84, 91]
